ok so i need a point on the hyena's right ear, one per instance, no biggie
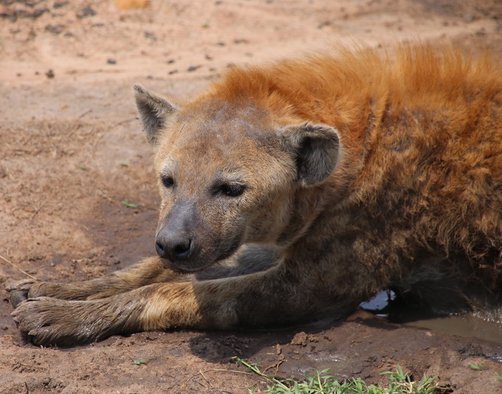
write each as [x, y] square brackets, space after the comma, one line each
[153, 111]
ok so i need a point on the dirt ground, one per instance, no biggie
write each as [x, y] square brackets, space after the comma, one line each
[72, 153]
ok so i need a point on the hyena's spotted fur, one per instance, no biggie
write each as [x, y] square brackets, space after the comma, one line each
[312, 184]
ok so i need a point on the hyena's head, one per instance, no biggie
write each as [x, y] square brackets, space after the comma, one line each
[228, 175]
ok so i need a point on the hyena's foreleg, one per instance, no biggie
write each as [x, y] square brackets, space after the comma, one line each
[277, 295]
[148, 271]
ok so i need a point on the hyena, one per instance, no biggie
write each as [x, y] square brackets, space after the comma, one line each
[296, 190]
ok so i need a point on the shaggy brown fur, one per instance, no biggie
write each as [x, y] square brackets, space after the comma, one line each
[316, 182]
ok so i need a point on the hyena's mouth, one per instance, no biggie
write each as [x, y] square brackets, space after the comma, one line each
[181, 268]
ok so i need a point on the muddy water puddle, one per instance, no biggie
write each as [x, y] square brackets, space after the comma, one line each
[464, 326]
[468, 325]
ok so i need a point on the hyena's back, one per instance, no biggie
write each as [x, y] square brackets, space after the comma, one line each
[423, 134]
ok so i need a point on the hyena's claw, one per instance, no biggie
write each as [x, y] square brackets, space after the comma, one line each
[24, 284]
[28, 288]
[18, 290]
[17, 296]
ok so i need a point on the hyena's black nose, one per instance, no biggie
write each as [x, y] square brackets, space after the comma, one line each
[173, 247]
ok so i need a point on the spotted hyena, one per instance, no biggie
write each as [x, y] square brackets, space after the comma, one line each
[298, 190]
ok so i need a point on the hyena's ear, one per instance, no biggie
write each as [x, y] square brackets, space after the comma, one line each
[316, 149]
[153, 111]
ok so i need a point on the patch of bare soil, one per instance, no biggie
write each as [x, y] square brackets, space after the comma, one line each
[73, 158]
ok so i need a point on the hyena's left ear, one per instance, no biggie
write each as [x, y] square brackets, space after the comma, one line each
[316, 149]
[153, 111]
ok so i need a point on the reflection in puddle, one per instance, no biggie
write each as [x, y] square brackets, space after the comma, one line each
[463, 325]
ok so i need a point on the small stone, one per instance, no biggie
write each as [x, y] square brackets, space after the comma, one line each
[150, 35]
[37, 12]
[54, 29]
[300, 339]
[111, 61]
[60, 4]
[85, 12]
[50, 74]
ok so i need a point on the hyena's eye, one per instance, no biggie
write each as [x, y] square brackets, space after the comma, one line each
[231, 189]
[167, 181]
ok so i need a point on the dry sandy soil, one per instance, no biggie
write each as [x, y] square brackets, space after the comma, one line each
[71, 151]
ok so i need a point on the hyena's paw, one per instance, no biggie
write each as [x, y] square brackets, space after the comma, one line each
[28, 288]
[50, 321]
[18, 290]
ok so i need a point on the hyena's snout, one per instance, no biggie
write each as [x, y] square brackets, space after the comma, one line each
[174, 246]
[176, 240]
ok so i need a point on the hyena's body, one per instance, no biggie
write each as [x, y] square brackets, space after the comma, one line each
[317, 183]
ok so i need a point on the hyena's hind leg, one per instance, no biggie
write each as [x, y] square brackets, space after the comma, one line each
[148, 271]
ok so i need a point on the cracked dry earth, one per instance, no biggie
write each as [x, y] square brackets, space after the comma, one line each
[78, 196]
